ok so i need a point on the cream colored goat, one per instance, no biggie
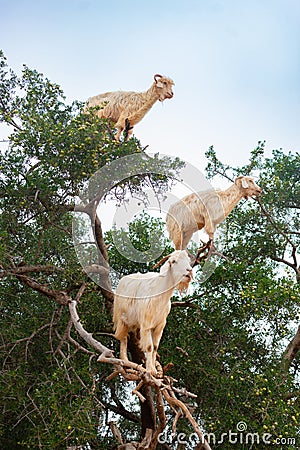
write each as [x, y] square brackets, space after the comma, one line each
[142, 301]
[126, 109]
[206, 210]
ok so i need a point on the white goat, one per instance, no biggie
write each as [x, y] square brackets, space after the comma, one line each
[142, 301]
[206, 210]
[126, 109]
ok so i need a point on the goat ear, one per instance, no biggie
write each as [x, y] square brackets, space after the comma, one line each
[245, 185]
[159, 84]
[161, 262]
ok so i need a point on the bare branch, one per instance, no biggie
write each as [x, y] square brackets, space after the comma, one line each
[120, 409]
[96, 268]
[106, 352]
[61, 297]
[115, 431]
[174, 402]
[289, 264]
[19, 270]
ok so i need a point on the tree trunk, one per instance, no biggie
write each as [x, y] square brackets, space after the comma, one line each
[148, 417]
[292, 349]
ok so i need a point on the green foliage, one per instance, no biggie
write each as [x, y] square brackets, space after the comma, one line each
[234, 337]
[227, 340]
[147, 236]
[50, 395]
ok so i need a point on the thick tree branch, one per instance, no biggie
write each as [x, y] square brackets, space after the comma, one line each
[119, 408]
[99, 237]
[96, 268]
[12, 271]
[292, 349]
[102, 265]
[293, 266]
[106, 352]
[61, 297]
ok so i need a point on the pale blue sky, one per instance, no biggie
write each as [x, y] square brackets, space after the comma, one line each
[235, 64]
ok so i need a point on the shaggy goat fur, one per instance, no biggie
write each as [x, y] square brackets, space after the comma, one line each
[206, 210]
[126, 109]
[142, 301]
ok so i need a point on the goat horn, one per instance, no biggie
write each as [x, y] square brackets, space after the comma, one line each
[161, 261]
[157, 76]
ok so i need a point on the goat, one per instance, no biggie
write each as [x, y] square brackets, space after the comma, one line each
[206, 209]
[126, 109]
[142, 301]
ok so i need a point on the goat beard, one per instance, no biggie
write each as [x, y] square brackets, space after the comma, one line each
[183, 286]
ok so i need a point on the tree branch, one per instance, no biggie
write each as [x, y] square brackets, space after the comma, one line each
[12, 271]
[119, 408]
[175, 403]
[61, 297]
[292, 349]
[102, 265]
[106, 352]
[274, 224]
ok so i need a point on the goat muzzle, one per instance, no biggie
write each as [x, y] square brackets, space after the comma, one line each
[166, 95]
[257, 193]
[189, 275]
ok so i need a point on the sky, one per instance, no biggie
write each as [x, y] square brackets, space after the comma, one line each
[235, 65]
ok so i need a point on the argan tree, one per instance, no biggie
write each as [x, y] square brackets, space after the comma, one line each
[57, 347]
[233, 342]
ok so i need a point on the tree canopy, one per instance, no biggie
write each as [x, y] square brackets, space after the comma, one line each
[233, 341]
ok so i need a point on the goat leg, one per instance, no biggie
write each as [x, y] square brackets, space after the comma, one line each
[127, 129]
[211, 247]
[201, 250]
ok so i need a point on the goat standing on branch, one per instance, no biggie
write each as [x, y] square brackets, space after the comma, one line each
[206, 210]
[126, 109]
[142, 301]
